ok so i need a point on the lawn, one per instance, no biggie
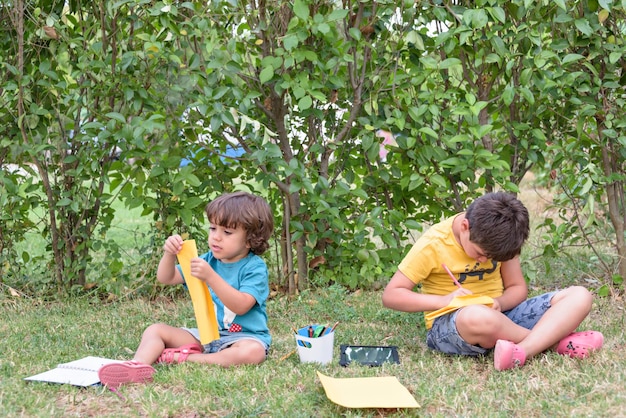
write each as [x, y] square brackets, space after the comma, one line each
[37, 336]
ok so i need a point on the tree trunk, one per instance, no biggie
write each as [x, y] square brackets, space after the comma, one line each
[616, 208]
[286, 249]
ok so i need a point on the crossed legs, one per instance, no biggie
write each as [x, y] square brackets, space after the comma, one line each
[480, 325]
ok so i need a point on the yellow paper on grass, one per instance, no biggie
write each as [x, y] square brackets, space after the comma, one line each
[367, 392]
[203, 307]
[459, 302]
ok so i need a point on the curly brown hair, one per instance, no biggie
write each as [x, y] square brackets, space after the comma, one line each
[249, 211]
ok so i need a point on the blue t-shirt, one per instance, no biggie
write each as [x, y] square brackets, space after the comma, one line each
[248, 275]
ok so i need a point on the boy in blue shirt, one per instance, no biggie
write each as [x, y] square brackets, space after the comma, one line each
[240, 225]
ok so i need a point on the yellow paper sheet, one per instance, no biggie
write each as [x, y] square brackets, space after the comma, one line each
[203, 307]
[367, 392]
[459, 302]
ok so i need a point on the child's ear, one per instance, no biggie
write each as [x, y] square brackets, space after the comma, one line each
[465, 225]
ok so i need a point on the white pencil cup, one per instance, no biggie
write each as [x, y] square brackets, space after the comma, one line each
[315, 349]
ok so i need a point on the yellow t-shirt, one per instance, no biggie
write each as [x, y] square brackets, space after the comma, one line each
[422, 265]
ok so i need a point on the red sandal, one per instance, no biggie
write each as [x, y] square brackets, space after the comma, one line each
[168, 356]
[116, 374]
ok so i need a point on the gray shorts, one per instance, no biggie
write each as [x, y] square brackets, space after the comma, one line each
[226, 340]
[444, 337]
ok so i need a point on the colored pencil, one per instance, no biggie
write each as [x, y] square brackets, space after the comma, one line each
[456, 282]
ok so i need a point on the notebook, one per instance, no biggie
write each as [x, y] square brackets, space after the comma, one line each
[83, 372]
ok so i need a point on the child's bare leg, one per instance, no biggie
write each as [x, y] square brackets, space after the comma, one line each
[483, 326]
[245, 351]
[158, 337]
[569, 308]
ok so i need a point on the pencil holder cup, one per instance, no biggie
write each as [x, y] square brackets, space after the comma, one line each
[316, 349]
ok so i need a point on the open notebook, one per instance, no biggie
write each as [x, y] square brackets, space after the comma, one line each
[83, 372]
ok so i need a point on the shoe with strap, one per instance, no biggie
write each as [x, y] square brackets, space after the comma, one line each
[179, 354]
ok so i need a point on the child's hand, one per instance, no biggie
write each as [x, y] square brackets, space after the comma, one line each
[200, 269]
[461, 292]
[173, 244]
[458, 292]
[496, 305]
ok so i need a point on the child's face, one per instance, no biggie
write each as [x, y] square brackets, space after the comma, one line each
[472, 250]
[228, 244]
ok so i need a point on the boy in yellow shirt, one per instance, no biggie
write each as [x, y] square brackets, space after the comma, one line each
[481, 248]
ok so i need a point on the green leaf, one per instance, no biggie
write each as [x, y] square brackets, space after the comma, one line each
[355, 33]
[429, 63]
[526, 76]
[438, 180]
[571, 58]
[414, 37]
[603, 291]
[498, 13]
[527, 94]
[451, 162]
[301, 9]
[290, 41]
[448, 63]
[305, 103]
[583, 26]
[337, 14]
[411, 224]
[508, 95]
[186, 216]
[266, 74]
[193, 180]
[429, 131]
[615, 57]
[323, 28]
[64, 202]
[539, 134]
[116, 116]
[194, 202]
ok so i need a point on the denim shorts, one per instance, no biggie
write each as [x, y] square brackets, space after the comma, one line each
[226, 340]
[444, 337]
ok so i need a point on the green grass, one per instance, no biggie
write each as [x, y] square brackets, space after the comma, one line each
[37, 336]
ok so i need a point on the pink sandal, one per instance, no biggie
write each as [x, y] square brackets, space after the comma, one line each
[580, 344]
[168, 356]
[508, 355]
[116, 374]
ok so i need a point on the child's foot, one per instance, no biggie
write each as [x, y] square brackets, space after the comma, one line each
[116, 374]
[580, 344]
[508, 355]
[180, 354]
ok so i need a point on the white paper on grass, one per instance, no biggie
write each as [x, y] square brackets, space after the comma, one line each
[82, 372]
